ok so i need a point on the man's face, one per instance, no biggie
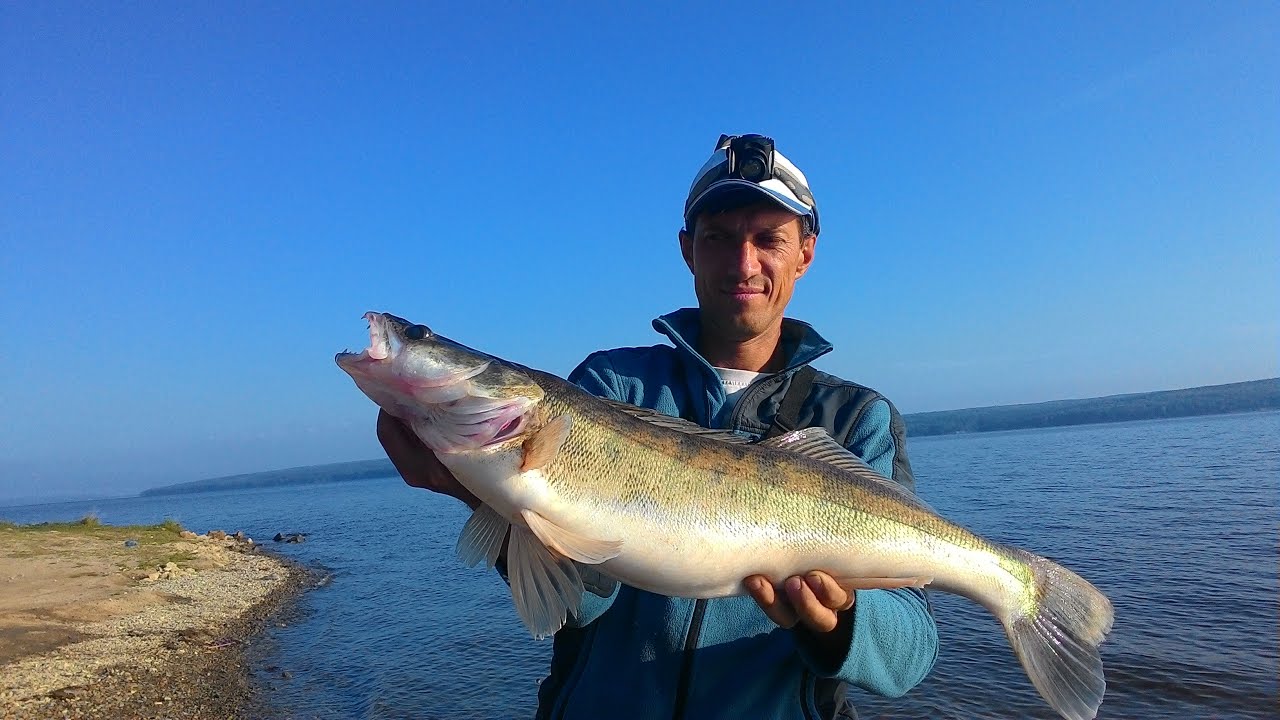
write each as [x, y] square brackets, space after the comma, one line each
[745, 264]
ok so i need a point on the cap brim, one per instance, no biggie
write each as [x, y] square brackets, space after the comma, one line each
[732, 191]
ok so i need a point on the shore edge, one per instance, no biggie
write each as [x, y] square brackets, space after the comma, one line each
[193, 672]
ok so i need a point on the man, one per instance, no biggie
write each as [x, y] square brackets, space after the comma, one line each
[751, 227]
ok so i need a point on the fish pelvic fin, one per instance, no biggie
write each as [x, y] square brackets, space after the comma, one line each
[567, 543]
[482, 537]
[544, 587]
[544, 445]
[1057, 640]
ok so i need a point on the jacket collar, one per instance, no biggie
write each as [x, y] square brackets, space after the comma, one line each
[800, 342]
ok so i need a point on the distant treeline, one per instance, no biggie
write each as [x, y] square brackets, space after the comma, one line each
[358, 470]
[1208, 400]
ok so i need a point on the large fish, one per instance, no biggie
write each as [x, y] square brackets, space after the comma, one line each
[666, 506]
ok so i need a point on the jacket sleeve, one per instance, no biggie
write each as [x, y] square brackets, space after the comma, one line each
[894, 641]
[596, 376]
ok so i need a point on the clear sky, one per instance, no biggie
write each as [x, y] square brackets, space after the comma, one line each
[1020, 202]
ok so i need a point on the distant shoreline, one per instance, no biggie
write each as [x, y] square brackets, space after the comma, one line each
[1252, 396]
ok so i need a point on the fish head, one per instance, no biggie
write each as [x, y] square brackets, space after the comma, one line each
[455, 398]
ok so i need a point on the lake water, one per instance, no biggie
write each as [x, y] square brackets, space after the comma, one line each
[1175, 520]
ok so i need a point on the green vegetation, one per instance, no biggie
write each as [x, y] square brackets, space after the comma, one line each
[90, 525]
[154, 549]
[150, 560]
[1209, 400]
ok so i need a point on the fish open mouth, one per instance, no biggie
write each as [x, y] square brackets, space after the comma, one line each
[380, 344]
[437, 386]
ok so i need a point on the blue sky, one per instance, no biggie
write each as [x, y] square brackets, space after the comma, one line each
[1020, 203]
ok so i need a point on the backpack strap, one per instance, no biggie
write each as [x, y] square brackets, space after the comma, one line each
[788, 416]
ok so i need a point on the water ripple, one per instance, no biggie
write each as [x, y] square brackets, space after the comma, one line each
[1174, 520]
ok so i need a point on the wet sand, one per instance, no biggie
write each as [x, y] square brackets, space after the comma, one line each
[106, 622]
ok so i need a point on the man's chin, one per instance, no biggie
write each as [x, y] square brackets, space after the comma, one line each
[734, 324]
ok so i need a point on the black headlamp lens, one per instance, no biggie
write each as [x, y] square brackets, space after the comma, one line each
[752, 169]
[751, 158]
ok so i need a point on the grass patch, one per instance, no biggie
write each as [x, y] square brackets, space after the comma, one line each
[92, 526]
[177, 558]
[67, 542]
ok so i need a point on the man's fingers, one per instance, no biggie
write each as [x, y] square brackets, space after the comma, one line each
[808, 608]
[412, 459]
[813, 600]
[774, 605]
[394, 434]
[417, 465]
[830, 593]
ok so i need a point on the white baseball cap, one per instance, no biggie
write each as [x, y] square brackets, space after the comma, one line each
[749, 163]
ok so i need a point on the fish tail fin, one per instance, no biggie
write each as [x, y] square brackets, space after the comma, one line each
[1056, 634]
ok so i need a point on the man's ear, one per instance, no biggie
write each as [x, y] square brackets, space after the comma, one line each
[686, 248]
[807, 247]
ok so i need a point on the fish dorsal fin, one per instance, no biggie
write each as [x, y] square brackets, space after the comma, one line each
[544, 445]
[653, 417]
[817, 444]
[545, 588]
[567, 543]
[482, 537]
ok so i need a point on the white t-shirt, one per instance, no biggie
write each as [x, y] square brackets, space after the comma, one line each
[735, 381]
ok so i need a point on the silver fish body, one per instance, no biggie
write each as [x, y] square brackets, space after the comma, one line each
[666, 506]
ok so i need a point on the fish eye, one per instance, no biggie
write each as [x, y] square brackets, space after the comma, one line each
[417, 332]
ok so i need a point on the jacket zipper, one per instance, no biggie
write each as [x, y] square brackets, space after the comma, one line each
[735, 417]
[807, 696]
[695, 624]
[686, 667]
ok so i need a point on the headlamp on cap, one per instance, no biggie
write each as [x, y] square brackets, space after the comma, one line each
[751, 163]
[751, 158]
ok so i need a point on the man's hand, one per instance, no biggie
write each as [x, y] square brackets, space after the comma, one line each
[813, 601]
[417, 465]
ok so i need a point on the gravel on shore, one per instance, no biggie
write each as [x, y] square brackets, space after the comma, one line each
[182, 656]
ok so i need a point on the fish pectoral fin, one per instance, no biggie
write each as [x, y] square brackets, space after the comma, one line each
[482, 537]
[543, 447]
[867, 583]
[591, 551]
[545, 588]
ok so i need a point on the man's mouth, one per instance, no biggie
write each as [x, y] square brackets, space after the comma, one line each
[744, 293]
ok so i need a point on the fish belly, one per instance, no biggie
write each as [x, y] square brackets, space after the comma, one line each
[677, 561]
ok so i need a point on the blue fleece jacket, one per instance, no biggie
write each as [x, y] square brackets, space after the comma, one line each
[634, 654]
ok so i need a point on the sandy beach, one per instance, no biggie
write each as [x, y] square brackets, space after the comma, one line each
[109, 622]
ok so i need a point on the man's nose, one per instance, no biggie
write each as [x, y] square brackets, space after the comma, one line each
[746, 262]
